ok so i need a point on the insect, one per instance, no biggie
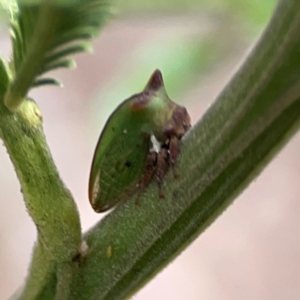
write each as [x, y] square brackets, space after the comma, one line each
[122, 160]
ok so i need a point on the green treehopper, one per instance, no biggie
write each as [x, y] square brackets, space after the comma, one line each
[123, 159]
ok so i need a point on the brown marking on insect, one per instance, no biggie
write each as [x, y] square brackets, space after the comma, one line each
[156, 81]
[179, 123]
[145, 135]
[158, 163]
[140, 102]
[173, 132]
[149, 172]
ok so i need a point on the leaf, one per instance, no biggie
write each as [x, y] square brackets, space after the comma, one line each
[49, 81]
[45, 34]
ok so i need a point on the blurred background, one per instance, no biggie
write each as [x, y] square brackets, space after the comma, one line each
[252, 250]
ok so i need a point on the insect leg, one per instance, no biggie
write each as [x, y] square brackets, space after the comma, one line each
[147, 175]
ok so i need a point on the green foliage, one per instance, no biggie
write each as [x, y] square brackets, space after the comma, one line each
[44, 35]
[71, 22]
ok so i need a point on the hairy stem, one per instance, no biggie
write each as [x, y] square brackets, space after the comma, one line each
[49, 203]
[251, 120]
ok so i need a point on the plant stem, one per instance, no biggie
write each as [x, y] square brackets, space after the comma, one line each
[251, 120]
[49, 203]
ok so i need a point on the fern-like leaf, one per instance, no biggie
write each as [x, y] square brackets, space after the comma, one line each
[44, 35]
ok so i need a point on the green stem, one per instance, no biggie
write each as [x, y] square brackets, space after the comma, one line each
[65, 273]
[41, 270]
[49, 203]
[251, 120]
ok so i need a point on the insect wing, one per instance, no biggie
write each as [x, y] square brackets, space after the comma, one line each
[120, 169]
